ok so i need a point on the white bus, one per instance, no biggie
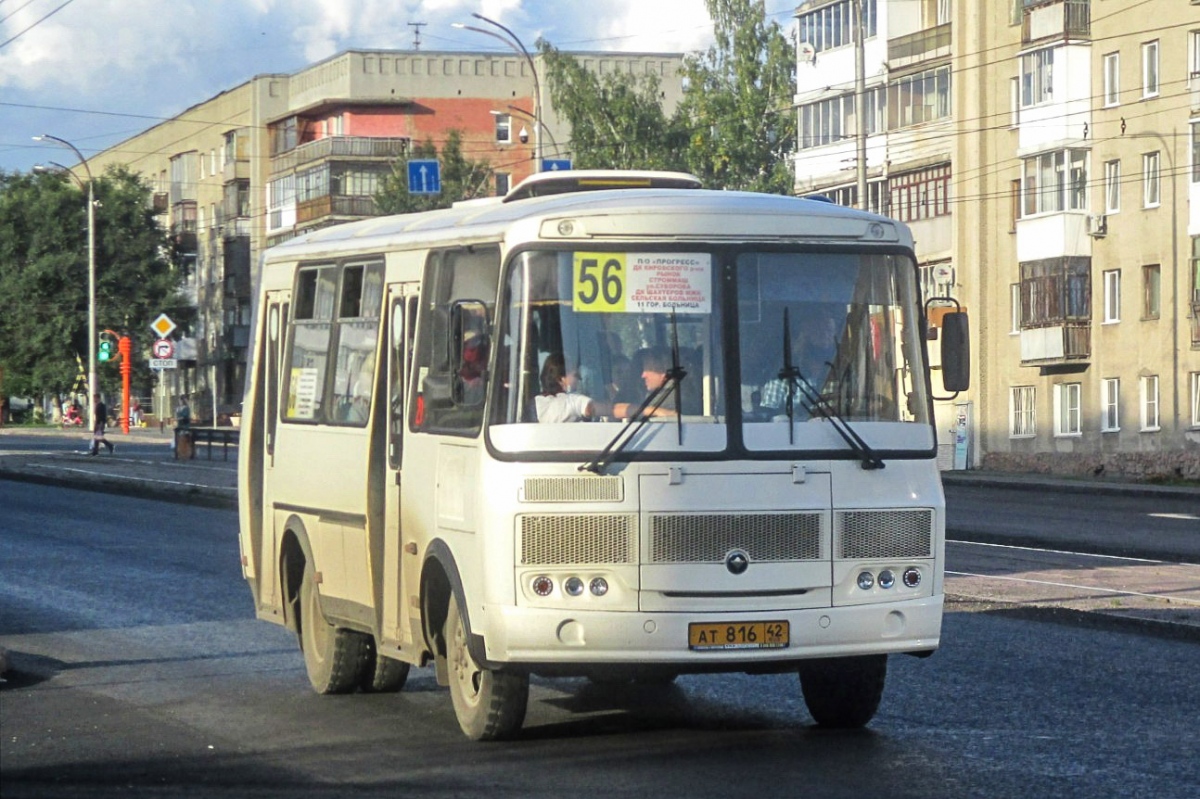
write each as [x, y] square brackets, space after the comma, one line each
[623, 434]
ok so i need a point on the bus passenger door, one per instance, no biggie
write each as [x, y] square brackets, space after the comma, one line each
[401, 326]
[277, 306]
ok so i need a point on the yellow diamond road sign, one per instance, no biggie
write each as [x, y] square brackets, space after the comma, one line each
[162, 325]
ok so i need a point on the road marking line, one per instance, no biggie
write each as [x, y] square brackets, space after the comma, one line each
[1052, 584]
[1181, 516]
[1060, 552]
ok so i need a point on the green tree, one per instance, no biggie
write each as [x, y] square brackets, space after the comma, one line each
[617, 119]
[44, 276]
[462, 179]
[737, 97]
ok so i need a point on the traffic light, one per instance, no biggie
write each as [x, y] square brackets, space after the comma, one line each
[106, 349]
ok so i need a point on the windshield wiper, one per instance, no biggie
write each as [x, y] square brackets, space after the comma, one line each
[813, 401]
[652, 402]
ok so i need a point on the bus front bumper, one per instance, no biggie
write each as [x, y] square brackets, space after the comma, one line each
[520, 636]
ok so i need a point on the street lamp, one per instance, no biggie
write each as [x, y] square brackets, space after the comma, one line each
[514, 43]
[93, 386]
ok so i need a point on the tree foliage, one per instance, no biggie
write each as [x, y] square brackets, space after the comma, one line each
[617, 119]
[739, 94]
[44, 276]
[734, 128]
[462, 179]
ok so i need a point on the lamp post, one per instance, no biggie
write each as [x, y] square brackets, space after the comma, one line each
[93, 386]
[514, 43]
[544, 127]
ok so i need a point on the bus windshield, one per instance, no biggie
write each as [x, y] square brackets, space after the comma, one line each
[586, 335]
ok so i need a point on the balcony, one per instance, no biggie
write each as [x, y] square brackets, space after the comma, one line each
[923, 45]
[341, 206]
[1056, 345]
[1067, 19]
[353, 147]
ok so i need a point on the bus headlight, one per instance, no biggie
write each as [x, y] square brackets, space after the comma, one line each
[887, 579]
[599, 586]
[912, 577]
[573, 586]
[542, 585]
[866, 580]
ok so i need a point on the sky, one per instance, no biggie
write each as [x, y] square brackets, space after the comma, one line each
[95, 72]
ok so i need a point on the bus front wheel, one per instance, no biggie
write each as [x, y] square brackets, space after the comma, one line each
[843, 693]
[334, 658]
[490, 705]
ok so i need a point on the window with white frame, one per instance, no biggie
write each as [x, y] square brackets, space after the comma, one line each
[1149, 396]
[1014, 299]
[1150, 69]
[1195, 381]
[1193, 57]
[1021, 417]
[1112, 187]
[1067, 408]
[503, 128]
[1150, 180]
[1052, 182]
[1196, 151]
[832, 120]
[1112, 79]
[1112, 296]
[1110, 405]
[921, 97]
[1037, 72]
[832, 25]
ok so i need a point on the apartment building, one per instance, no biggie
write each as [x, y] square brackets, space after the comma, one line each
[283, 154]
[1078, 195]
[1055, 190]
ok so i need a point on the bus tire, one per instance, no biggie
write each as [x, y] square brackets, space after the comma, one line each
[490, 705]
[843, 693]
[381, 674]
[334, 658]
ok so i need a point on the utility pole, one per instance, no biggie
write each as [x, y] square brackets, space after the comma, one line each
[860, 102]
[416, 26]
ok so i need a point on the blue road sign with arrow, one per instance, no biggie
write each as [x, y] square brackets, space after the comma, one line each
[424, 177]
[555, 164]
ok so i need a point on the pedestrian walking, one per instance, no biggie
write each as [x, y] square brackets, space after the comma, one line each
[99, 425]
[183, 414]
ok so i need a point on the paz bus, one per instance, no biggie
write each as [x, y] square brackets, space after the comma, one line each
[744, 479]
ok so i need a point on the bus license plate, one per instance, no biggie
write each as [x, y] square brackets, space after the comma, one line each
[738, 635]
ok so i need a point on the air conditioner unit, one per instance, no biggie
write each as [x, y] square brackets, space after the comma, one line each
[1097, 225]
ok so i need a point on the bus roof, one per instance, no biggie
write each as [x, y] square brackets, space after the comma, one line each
[645, 213]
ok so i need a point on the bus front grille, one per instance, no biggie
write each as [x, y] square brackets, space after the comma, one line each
[883, 533]
[708, 538]
[572, 489]
[565, 539]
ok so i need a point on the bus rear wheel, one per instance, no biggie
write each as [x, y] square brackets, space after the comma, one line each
[843, 693]
[381, 674]
[334, 658]
[490, 705]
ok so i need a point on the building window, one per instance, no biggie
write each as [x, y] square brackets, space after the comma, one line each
[503, 181]
[1195, 381]
[919, 98]
[1150, 69]
[1149, 394]
[832, 120]
[1110, 408]
[924, 194]
[1054, 181]
[1037, 72]
[1021, 419]
[1112, 296]
[1112, 187]
[1150, 182]
[503, 128]
[833, 25]
[1056, 290]
[1196, 152]
[1112, 79]
[1151, 291]
[848, 196]
[1067, 409]
[1014, 297]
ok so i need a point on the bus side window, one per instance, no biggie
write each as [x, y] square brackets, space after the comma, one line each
[452, 350]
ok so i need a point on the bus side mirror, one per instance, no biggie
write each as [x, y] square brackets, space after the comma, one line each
[956, 352]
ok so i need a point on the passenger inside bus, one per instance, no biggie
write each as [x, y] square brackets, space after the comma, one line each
[560, 400]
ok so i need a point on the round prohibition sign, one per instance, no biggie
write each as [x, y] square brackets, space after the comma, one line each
[164, 348]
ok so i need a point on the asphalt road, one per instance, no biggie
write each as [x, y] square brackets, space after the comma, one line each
[141, 672]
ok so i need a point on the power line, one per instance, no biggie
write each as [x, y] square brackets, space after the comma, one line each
[34, 25]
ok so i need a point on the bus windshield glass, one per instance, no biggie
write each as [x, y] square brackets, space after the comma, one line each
[587, 335]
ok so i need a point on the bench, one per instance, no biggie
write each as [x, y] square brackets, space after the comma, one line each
[186, 439]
